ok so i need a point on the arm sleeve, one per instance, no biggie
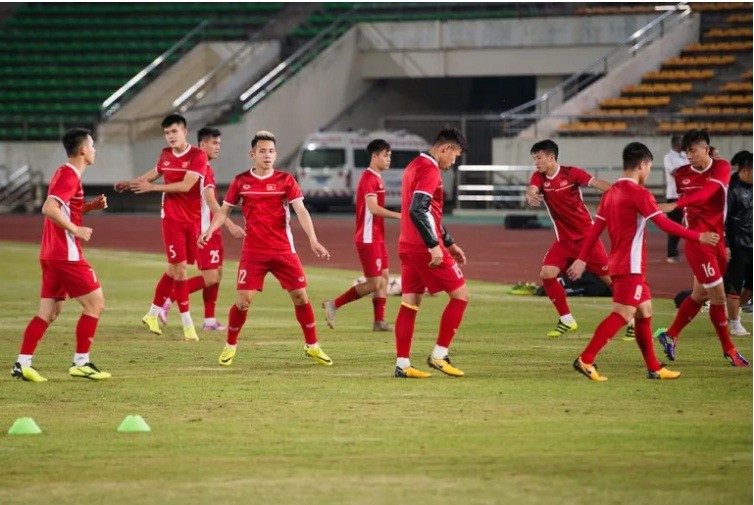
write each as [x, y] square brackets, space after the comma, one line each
[581, 177]
[536, 180]
[673, 228]
[231, 197]
[292, 190]
[64, 188]
[592, 237]
[420, 216]
[447, 240]
[199, 163]
[730, 217]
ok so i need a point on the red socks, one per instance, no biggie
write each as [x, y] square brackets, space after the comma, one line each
[604, 332]
[85, 330]
[181, 293]
[195, 284]
[450, 321]
[719, 320]
[305, 317]
[557, 295]
[686, 313]
[348, 297]
[643, 329]
[210, 300]
[404, 329]
[34, 332]
[163, 290]
[379, 308]
[236, 320]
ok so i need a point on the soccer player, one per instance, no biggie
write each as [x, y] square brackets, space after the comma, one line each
[65, 272]
[702, 186]
[183, 168]
[429, 256]
[738, 235]
[265, 196]
[209, 259]
[624, 210]
[370, 239]
[557, 186]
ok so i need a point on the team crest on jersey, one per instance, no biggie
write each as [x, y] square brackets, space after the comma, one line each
[166, 163]
[271, 187]
[184, 164]
[245, 186]
[547, 184]
[563, 183]
[685, 181]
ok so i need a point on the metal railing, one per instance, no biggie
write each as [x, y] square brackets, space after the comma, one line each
[22, 187]
[115, 101]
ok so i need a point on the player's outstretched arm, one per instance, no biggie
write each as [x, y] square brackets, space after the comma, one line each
[308, 226]
[673, 228]
[375, 208]
[99, 203]
[710, 188]
[532, 196]
[599, 184]
[122, 186]
[140, 185]
[214, 206]
[217, 221]
[52, 209]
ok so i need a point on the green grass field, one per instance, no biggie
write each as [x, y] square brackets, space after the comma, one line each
[521, 427]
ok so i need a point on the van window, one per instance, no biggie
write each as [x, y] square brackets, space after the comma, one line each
[323, 158]
[398, 159]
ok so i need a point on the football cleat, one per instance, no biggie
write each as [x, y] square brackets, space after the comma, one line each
[152, 323]
[735, 359]
[214, 327]
[382, 326]
[226, 357]
[164, 311]
[561, 328]
[589, 370]
[630, 334]
[318, 355]
[667, 342]
[410, 373]
[663, 374]
[444, 366]
[88, 371]
[736, 329]
[330, 310]
[26, 373]
[189, 334]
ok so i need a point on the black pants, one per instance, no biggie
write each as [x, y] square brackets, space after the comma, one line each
[677, 216]
[738, 275]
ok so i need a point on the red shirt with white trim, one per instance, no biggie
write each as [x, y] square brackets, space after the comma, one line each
[421, 175]
[57, 243]
[370, 229]
[182, 207]
[626, 207]
[209, 185]
[710, 215]
[265, 203]
[564, 202]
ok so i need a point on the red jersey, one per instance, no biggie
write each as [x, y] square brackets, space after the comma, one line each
[564, 203]
[369, 228]
[57, 243]
[265, 202]
[626, 207]
[708, 215]
[422, 175]
[183, 207]
[209, 185]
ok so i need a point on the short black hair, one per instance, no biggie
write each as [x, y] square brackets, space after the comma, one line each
[745, 163]
[207, 133]
[262, 135]
[377, 146]
[676, 139]
[739, 157]
[635, 153]
[172, 119]
[73, 139]
[694, 136]
[451, 134]
[547, 146]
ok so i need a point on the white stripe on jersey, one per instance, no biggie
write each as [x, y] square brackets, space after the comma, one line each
[368, 225]
[288, 226]
[636, 244]
[70, 239]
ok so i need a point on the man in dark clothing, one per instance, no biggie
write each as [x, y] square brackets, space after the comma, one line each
[738, 236]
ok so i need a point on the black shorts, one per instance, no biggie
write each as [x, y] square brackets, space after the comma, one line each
[739, 271]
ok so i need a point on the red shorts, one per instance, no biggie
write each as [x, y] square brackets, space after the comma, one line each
[253, 266]
[373, 258]
[211, 256]
[63, 279]
[180, 240]
[630, 289]
[709, 263]
[562, 254]
[417, 276]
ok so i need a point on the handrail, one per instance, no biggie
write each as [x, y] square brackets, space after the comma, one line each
[633, 41]
[260, 89]
[109, 111]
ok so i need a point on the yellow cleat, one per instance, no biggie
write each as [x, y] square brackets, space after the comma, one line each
[189, 334]
[226, 357]
[318, 355]
[444, 366]
[152, 323]
[663, 374]
[411, 373]
[26, 373]
[561, 328]
[88, 371]
[589, 370]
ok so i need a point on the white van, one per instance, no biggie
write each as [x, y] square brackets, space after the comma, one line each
[330, 164]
